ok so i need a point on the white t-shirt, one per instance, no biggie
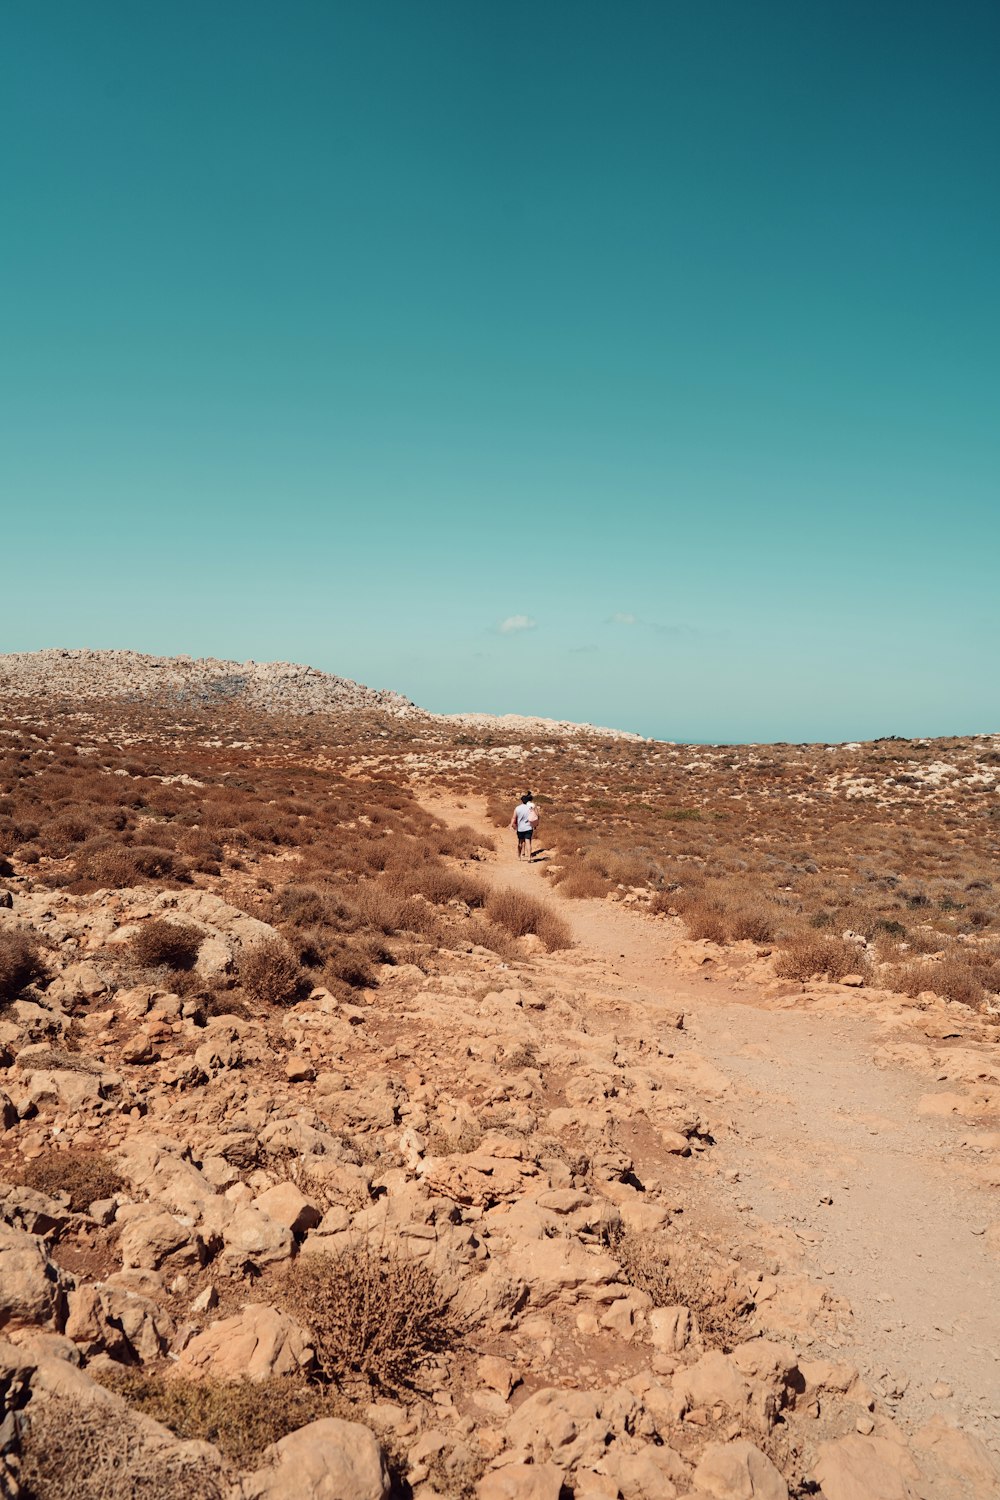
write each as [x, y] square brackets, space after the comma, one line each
[522, 813]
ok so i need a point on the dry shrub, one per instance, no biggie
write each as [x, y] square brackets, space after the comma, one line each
[462, 842]
[379, 909]
[705, 924]
[436, 883]
[76, 1451]
[754, 920]
[952, 978]
[160, 941]
[521, 914]
[653, 1265]
[580, 881]
[85, 1175]
[270, 971]
[241, 1417]
[496, 938]
[375, 1316]
[21, 963]
[812, 953]
[351, 964]
[109, 863]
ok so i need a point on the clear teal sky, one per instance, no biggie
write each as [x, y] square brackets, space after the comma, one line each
[667, 334]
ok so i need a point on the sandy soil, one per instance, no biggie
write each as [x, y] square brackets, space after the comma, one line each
[824, 1156]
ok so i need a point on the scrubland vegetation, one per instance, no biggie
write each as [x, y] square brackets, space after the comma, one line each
[352, 872]
[875, 858]
[381, 1146]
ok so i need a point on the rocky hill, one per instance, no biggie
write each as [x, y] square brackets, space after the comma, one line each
[128, 676]
[62, 677]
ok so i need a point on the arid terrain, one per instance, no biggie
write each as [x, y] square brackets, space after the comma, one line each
[345, 1156]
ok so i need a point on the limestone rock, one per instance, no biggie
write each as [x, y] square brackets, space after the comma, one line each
[713, 1381]
[286, 1204]
[32, 1289]
[521, 1482]
[258, 1342]
[865, 1468]
[738, 1471]
[148, 1242]
[671, 1329]
[325, 1460]
[252, 1236]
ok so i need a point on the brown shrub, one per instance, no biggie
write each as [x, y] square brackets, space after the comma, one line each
[462, 842]
[522, 914]
[21, 963]
[270, 971]
[705, 923]
[241, 1417]
[436, 883]
[351, 964]
[952, 977]
[115, 865]
[491, 935]
[655, 1266]
[376, 1316]
[812, 953]
[76, 1451]
[161, 941]
[85, 1175]
[580, 880]
[754, 920]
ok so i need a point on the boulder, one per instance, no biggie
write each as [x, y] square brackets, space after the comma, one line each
[738, 1471]
[325, 1460]
[156, 1169]
[865, 1468]
[258, 1342]
[562, 1269]
[32, 1289]
[149, 1241]
[521, 1482]
[712, 1381]
[287, 1204]
[251, 1235]
[959, 1452]
[115, 1321]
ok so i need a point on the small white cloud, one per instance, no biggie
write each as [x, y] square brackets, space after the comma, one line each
[621, 618]
[516, 622]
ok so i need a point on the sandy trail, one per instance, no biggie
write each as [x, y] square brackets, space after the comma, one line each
[812, 1117]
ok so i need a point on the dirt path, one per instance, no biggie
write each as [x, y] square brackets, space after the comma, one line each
[825, 1153]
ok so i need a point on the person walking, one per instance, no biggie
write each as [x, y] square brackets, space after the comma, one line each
[523, 822]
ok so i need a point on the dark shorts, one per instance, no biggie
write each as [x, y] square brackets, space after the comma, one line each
[522, 836]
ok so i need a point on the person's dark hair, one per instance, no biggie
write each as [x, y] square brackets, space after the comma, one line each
[526, 797]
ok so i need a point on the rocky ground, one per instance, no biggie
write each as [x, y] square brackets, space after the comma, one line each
[494, 1225]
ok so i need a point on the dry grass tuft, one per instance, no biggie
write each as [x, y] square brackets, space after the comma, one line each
[649, 1262]
[85, 1175]
[812, 953]
[241, 1417]
[73, 1451]
[21, 963]
[376, 1316]
[951, 977]
[521, 914]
